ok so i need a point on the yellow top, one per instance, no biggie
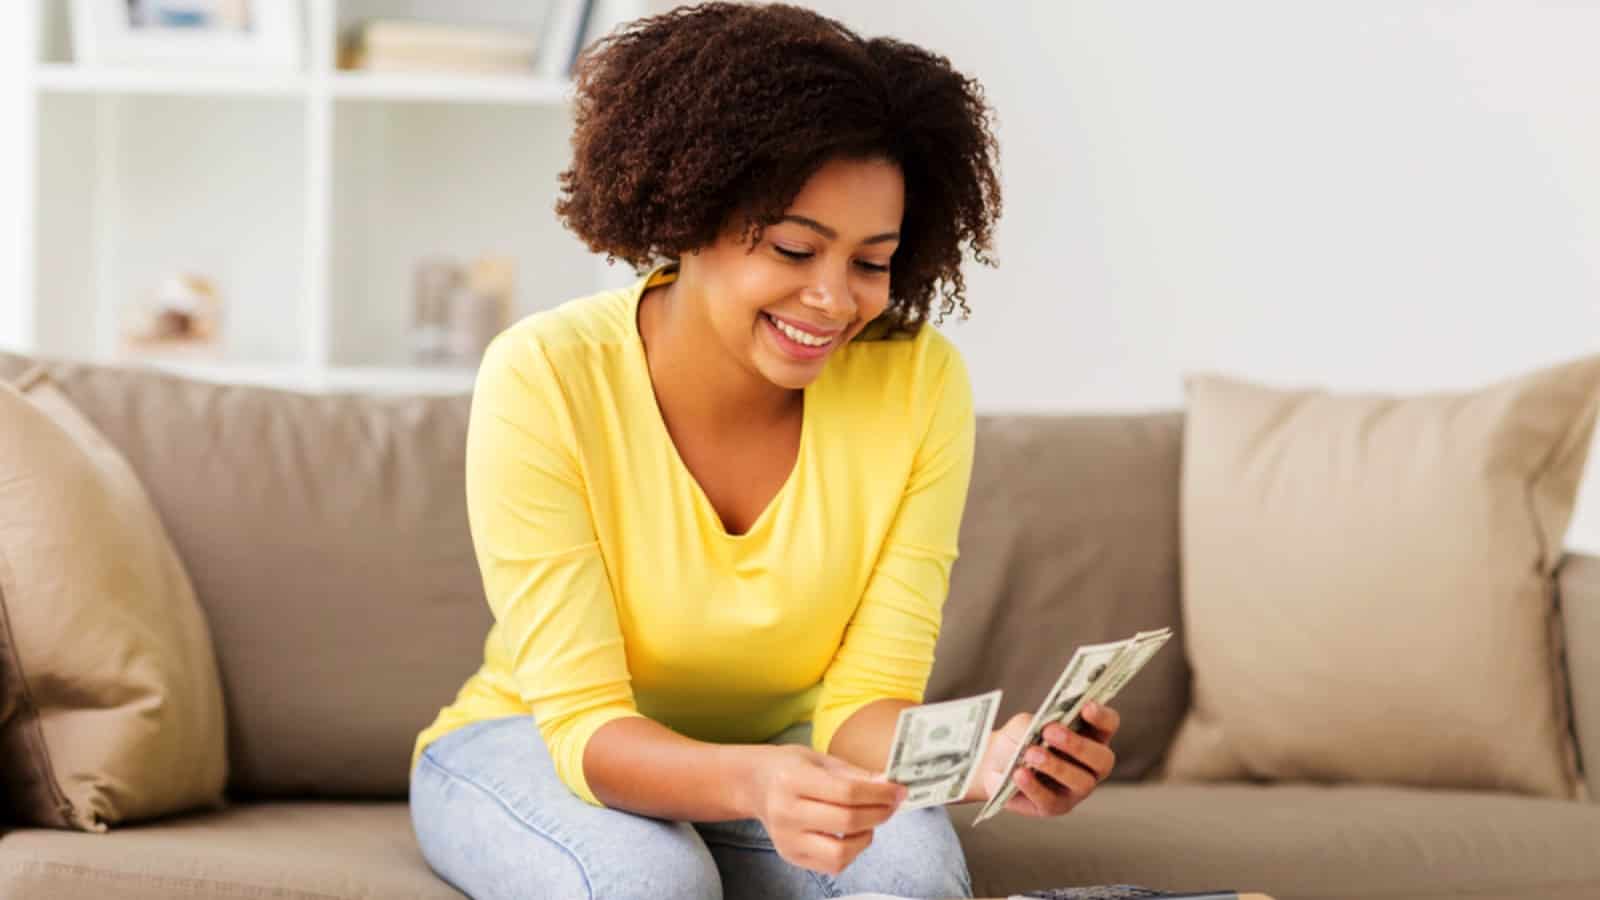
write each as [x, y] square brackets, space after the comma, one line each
[615, 589]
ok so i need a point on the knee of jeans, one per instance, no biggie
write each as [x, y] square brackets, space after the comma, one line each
[679, 869]
[946, 878]
[921, 858]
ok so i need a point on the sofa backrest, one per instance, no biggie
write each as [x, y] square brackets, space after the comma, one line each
[1070, 537]
[327, 540]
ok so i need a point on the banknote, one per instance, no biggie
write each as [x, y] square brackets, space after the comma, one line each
[1097, 673]
[937, 748]
[1088, 663]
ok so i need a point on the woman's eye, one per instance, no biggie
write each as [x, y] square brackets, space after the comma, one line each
[865, 266]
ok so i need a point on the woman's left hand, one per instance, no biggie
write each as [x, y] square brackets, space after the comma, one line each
[1054, 777]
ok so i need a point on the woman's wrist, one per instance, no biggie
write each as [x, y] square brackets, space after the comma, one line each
[743, 765]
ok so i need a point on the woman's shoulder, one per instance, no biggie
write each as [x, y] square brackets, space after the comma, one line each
[899, 381]
[900, 360]
[578, 340]
[592, 321]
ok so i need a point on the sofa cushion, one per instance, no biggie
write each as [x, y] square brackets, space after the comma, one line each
[1298, 842]
[1295, 842]
[289, 851]
[1070, 537]
[327, 540]
[110, 705]
[1369, 582]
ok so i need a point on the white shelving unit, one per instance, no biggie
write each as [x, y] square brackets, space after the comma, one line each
[307, 196]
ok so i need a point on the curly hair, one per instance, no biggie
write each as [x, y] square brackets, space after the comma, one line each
[687, 119]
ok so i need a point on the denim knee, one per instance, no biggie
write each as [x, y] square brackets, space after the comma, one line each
[915, 854]
[479, 838]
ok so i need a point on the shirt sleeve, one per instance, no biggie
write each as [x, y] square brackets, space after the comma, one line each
[539, 555]
[887, 649]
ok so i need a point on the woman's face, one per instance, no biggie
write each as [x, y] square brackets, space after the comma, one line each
[816, 278]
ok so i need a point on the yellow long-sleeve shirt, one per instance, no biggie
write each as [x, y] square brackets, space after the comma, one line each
[615, 589]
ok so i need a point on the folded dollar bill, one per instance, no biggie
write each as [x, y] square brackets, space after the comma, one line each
[1096, 672]
[937, 748]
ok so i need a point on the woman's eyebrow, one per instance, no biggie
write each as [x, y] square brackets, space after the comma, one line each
[832, 235]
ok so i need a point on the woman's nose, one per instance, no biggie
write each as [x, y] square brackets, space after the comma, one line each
[831, 296]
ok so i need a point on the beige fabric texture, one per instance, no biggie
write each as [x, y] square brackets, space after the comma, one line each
[1369, 583]
[1070, 537]
[327, 540]
[111, 708]
[1295, 842]
[388, 619]
[1580, 613]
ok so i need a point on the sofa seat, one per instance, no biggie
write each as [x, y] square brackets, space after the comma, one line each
[1300, 842]
[281, 851]
[1295, 842]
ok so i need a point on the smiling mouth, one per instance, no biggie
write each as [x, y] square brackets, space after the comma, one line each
[799, 343]
[801, 335]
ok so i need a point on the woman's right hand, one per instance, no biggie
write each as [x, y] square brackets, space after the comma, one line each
[819, 810]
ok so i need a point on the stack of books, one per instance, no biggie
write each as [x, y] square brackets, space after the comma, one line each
[402, 45]
[398, 45]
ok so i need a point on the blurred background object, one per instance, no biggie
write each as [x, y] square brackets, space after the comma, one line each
[458, 310]
[182, 319]
[400, 45]
[176, 33]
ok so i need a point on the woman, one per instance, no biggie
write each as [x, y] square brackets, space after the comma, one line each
[715, 512]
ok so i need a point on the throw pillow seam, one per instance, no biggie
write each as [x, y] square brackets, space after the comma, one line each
[30, 709]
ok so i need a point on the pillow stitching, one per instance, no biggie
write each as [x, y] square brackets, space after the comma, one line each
[29, 710]
[1557, 651]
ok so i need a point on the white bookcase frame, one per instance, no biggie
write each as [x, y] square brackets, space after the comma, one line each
[89, 133]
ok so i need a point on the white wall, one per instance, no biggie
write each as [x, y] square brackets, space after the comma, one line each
[11, 184]
[1363, 195]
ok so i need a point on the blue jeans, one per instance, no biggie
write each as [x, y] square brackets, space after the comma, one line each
[494, 821]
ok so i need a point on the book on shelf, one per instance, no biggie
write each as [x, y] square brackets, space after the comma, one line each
[551, 51]
[403, 45]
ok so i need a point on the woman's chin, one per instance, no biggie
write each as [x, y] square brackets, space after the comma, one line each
[789, 374]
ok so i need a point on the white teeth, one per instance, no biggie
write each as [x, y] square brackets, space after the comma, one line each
[798, 336]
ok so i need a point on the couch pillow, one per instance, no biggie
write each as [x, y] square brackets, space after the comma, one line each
[1070, 537]
[1368, 583]
[326, 537]
[110, 704]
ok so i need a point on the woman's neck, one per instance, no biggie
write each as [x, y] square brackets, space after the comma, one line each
[696, 382]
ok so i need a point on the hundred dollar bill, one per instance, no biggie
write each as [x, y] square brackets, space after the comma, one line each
[937, 748]
[1095, 673]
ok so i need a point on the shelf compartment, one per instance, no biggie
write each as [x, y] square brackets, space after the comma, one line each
[136, 189]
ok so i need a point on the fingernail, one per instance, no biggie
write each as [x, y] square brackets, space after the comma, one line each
[1091, 708]
[1035, 757]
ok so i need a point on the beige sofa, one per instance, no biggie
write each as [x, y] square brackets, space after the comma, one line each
[327, 540]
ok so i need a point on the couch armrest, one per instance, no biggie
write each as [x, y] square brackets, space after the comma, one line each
[1580, 612]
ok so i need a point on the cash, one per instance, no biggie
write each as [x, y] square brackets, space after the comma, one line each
[937, 748]
[1096, 672]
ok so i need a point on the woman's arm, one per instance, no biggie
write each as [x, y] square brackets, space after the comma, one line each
[819, 811]
[644, 767]
[886, 655]
[864, 738]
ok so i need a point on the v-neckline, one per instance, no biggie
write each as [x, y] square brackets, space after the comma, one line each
[666, 273]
